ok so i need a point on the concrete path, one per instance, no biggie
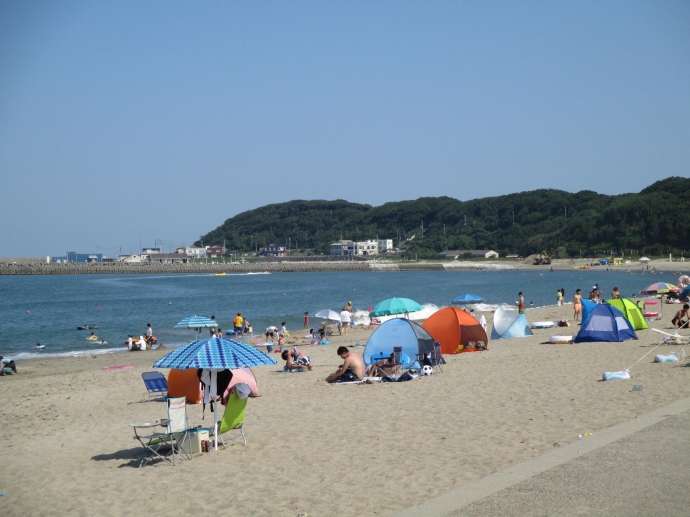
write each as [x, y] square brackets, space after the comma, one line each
[637, 468]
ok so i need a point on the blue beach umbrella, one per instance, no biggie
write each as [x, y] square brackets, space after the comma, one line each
[196, 322]
[393, 306]
[214, 354]
[467, 298]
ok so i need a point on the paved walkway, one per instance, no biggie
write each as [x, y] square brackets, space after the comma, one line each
[637, 468]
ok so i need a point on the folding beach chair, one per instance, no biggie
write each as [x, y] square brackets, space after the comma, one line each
[390, 371]
[436, 358]
[233, 418]
[170, 442]
[155, 383]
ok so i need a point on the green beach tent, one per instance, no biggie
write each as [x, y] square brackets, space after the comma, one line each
[631, 312]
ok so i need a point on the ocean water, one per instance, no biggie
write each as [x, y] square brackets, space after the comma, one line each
[48, 309]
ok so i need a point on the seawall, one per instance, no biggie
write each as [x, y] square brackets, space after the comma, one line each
[281, 267]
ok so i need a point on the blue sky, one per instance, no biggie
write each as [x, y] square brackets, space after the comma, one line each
[122, 121]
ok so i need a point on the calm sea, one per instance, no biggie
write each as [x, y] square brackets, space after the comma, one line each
[48, 309]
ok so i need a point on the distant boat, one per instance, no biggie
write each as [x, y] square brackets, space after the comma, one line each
[220, 274]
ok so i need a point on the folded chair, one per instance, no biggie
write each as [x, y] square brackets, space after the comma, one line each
[170, 442]
[233, 418]
[155, 382]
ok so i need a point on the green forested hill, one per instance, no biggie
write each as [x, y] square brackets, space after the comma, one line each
[656, 219]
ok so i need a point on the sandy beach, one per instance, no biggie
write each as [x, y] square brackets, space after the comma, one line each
[319, 449]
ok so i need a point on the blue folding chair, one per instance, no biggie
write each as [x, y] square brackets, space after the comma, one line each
[155, 383]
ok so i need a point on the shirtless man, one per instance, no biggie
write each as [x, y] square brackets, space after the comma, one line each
[678, 320]
[352, 369]
[577, 305]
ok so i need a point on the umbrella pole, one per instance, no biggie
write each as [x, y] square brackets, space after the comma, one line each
[214, 373]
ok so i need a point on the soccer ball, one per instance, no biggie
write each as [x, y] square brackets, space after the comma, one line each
[427, 370]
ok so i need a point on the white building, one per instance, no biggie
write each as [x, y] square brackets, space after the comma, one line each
[370, 247]
[195, 252]
[133, 259]
[385, 245]
[346, 247]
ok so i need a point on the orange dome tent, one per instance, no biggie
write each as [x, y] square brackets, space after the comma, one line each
[455, 329]
[185, 383]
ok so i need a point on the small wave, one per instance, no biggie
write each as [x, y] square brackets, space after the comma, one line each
[362, 317]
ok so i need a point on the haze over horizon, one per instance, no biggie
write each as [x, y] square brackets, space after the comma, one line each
[127, 121]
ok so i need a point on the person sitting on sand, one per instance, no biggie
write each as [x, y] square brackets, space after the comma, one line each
[615, 294]
[294, 359]
[384, 367]
[8, 366]
[678, 319]
[352, 369]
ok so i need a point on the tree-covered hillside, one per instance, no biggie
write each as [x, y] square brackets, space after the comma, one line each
[655, 220]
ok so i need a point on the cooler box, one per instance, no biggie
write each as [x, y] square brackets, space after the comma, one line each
[196, 435]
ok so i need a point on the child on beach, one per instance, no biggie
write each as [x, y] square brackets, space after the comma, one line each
[306, 320]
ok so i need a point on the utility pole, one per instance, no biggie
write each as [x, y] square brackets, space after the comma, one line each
[565, 208]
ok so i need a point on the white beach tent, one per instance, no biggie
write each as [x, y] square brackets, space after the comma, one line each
[644, 260]
[508, 324]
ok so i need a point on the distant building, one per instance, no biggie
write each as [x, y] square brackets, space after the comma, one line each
[169, 258]
[274, 250]
[347, 247]
[385, 245]
[150, 251]
[455, 254]
[341, 248]
[133, 259]
[195, 252]
[214, 251]
[514, 256]
[73, 256]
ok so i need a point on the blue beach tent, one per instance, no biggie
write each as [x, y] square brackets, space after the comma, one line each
[509, 324]
[587, 307]
[399, 332]
[605, 323]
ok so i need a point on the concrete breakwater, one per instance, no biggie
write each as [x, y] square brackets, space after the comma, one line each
[282, 267]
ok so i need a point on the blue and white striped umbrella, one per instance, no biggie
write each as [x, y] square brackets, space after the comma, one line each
[214, 353]
[195, 322]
